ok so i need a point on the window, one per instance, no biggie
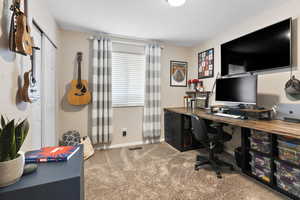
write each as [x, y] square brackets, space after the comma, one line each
[128, 79]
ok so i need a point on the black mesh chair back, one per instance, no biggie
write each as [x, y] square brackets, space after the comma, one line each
[199, 129]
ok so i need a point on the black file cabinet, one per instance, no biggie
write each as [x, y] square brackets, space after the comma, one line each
[178, 131]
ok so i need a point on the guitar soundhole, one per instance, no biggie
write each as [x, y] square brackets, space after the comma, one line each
[82, 92]
[79, 86]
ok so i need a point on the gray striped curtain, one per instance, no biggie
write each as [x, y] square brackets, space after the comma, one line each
[152, 106]
[102, 95]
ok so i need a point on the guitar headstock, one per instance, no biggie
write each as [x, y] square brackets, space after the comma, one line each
[16, 6]
[79, 56]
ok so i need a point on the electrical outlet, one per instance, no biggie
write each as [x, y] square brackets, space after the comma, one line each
[124, 132]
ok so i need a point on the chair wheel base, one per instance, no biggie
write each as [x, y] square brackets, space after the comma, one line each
[215, 163]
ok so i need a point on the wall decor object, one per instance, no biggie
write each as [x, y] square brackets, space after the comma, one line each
[79, 94]
[178, 74]
[206, 64]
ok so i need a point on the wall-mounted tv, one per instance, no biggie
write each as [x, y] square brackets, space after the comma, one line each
[265, 49]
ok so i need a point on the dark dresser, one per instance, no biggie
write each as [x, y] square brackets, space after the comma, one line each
[59, 181]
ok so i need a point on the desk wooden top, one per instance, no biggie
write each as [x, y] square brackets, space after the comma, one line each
[274, 126]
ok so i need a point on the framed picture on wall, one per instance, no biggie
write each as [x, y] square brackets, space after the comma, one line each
[178, 74]
[206, 64]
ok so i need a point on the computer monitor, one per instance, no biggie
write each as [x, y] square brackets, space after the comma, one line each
[242, 90]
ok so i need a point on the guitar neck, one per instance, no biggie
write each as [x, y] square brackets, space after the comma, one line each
[79, 72]
[26, 8]
[32, 57]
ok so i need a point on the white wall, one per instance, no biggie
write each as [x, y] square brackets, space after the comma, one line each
[38, 11]
[271, 84]
[77, 118]
[13, 66]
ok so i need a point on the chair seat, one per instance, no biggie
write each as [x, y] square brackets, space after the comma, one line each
[216, 136]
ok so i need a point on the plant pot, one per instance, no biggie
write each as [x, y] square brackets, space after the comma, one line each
[12, 170]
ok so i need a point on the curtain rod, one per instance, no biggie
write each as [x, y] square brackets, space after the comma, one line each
[134, 42]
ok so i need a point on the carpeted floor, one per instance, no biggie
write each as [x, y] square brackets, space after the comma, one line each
[160, 172]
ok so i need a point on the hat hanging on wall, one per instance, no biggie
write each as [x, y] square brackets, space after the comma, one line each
[292, 87]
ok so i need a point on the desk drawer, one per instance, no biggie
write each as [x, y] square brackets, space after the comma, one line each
[288, 145]
[288, 185]
[289, 155]
[287, 171]
[260, 161]
[262, 173]
[260, 145]
[260, 135]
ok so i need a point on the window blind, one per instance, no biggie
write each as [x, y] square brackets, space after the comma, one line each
[128, 79]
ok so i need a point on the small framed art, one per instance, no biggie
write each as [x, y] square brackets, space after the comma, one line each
[206, 64]
[178, 74]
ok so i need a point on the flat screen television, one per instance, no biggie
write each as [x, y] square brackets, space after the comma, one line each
[265, 49]
[242, 90]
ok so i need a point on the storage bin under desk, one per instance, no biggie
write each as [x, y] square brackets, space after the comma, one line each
[288, 185]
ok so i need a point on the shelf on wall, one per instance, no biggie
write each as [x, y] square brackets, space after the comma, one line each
[197, 92]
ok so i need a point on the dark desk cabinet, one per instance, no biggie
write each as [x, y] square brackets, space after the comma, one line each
[52, 181]
[178, 131]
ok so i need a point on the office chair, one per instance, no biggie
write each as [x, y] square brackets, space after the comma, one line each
[209, 137]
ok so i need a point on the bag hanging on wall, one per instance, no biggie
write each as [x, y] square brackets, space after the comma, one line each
[292, 87]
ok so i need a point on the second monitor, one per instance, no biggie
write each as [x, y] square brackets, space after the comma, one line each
[242, 90]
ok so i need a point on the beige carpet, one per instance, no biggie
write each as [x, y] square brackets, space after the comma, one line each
[161, 172]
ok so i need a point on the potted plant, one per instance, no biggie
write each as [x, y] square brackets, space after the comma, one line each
[195, 83]
[12, 136]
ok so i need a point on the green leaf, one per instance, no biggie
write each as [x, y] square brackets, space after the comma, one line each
[2, 121]
[21, 132]
[7, 147]
[19, 135]
[13, 147]
[12, 137]
[0, 145]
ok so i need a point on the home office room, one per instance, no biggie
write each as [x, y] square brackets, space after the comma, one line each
[161, 99]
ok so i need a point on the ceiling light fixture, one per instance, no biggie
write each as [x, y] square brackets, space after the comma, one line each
[176, 3]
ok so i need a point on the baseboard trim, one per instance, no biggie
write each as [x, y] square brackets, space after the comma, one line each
[129, 144]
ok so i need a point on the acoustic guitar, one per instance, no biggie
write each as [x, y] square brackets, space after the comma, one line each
[79, 94]
[20, 40]
[30, 91]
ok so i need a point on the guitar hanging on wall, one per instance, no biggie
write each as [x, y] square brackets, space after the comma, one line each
[30, 92]
[20, 40]
[79, 94]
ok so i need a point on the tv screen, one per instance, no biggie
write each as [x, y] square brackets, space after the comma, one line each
[266, 49]
[237, 90]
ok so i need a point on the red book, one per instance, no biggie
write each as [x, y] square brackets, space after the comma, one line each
[51, 154]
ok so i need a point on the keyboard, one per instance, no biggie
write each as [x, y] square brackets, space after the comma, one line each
[228, 115]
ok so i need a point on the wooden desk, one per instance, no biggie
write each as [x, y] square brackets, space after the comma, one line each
[274, 126]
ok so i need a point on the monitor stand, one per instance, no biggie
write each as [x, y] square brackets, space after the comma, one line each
[253, 107]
